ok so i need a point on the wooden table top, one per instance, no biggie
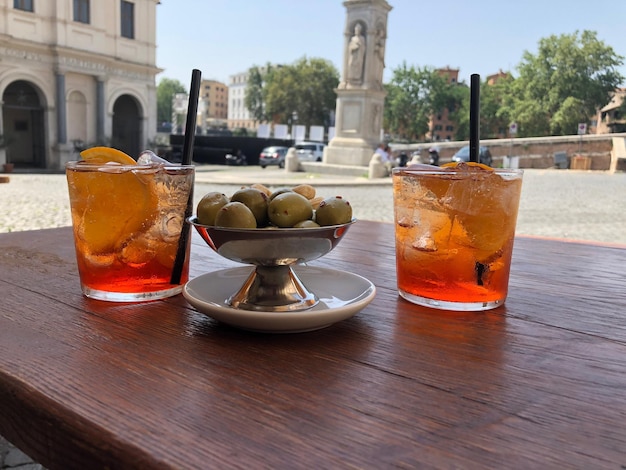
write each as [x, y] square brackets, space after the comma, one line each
[538, 383]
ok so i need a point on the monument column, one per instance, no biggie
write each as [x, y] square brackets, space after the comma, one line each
[360, 94]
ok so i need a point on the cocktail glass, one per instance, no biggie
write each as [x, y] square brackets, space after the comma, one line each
[128, 221]
[454, 231]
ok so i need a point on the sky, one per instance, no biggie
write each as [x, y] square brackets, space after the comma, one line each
[223, 38]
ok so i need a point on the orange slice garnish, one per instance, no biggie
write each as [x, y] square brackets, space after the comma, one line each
[111, 206]
[100, 155]
[455, 164]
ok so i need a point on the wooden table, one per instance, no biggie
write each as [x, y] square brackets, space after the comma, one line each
[538, 383]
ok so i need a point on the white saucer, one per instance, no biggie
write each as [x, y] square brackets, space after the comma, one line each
[342, 295]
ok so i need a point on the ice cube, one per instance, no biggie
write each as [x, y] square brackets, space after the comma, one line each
[99, 260]
[425, 243]
[171, 225]
[138, 250]
[148, 157]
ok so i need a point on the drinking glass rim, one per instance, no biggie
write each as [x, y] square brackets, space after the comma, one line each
[82, 165]
[454, 171]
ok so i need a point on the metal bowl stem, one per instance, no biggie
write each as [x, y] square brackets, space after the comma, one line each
[274, 289]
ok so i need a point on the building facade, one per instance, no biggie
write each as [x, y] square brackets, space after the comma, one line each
[611, 119]
[76, 73]
[213, 105]
[238, 115]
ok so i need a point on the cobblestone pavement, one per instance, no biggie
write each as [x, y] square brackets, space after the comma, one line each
[577, 205]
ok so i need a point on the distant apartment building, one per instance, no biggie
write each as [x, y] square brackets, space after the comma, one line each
[493, 79]
[611, 118]
[76, 71]
[440, 126]
[213, 105]
[238, 114]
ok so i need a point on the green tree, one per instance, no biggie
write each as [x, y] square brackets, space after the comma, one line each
[494, 118]
[413, 95]
[166, 89]
[459, 105]
[569, 78]
[256, 91]
[566, 119]
[305, 87]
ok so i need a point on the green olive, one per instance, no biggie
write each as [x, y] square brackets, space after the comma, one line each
[280, 191]
[208, 207]
[306, 224]
[289, 208]
[256, 201]
[333, 211]
[235, 215]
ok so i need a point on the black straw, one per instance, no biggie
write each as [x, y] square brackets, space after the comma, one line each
[190, 135]
[474, 117]
[192, 112]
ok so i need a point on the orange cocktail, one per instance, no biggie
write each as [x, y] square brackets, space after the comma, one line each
[454, 234]
[127, 220]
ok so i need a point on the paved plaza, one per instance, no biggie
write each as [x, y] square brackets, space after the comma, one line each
[575, 205]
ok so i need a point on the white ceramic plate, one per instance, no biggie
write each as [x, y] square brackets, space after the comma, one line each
[342, 295]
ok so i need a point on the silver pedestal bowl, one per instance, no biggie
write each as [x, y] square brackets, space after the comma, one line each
[272, 286]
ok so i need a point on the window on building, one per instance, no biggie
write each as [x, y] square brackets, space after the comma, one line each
[128, 19]
[81, 11]
[449, 128]
[26, 5]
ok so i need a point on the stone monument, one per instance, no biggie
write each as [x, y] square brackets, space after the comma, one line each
[360, 94]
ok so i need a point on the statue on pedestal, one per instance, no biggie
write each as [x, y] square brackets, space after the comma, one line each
[360, 94]
[379, 56]
[356, 56]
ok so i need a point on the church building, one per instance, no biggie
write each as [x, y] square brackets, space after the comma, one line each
[75, 73]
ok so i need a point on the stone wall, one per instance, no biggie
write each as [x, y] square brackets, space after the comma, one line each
[533, 152]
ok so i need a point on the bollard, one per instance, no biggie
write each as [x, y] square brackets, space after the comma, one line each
[292, 163]
[377, 168]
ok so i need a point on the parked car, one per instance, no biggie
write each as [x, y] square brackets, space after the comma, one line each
[237, 157]
[310, 151]
[463, 155]
[273, 156]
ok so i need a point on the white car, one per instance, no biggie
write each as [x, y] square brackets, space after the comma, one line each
[309, 151]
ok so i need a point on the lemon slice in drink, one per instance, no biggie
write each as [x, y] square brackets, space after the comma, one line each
[101, 155]
[111, 206]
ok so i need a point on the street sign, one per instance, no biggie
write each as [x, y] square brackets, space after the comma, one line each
[513, 128]
[582, 128]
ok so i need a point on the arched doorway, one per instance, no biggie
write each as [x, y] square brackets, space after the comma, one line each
[23, 125]
[127, 125]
